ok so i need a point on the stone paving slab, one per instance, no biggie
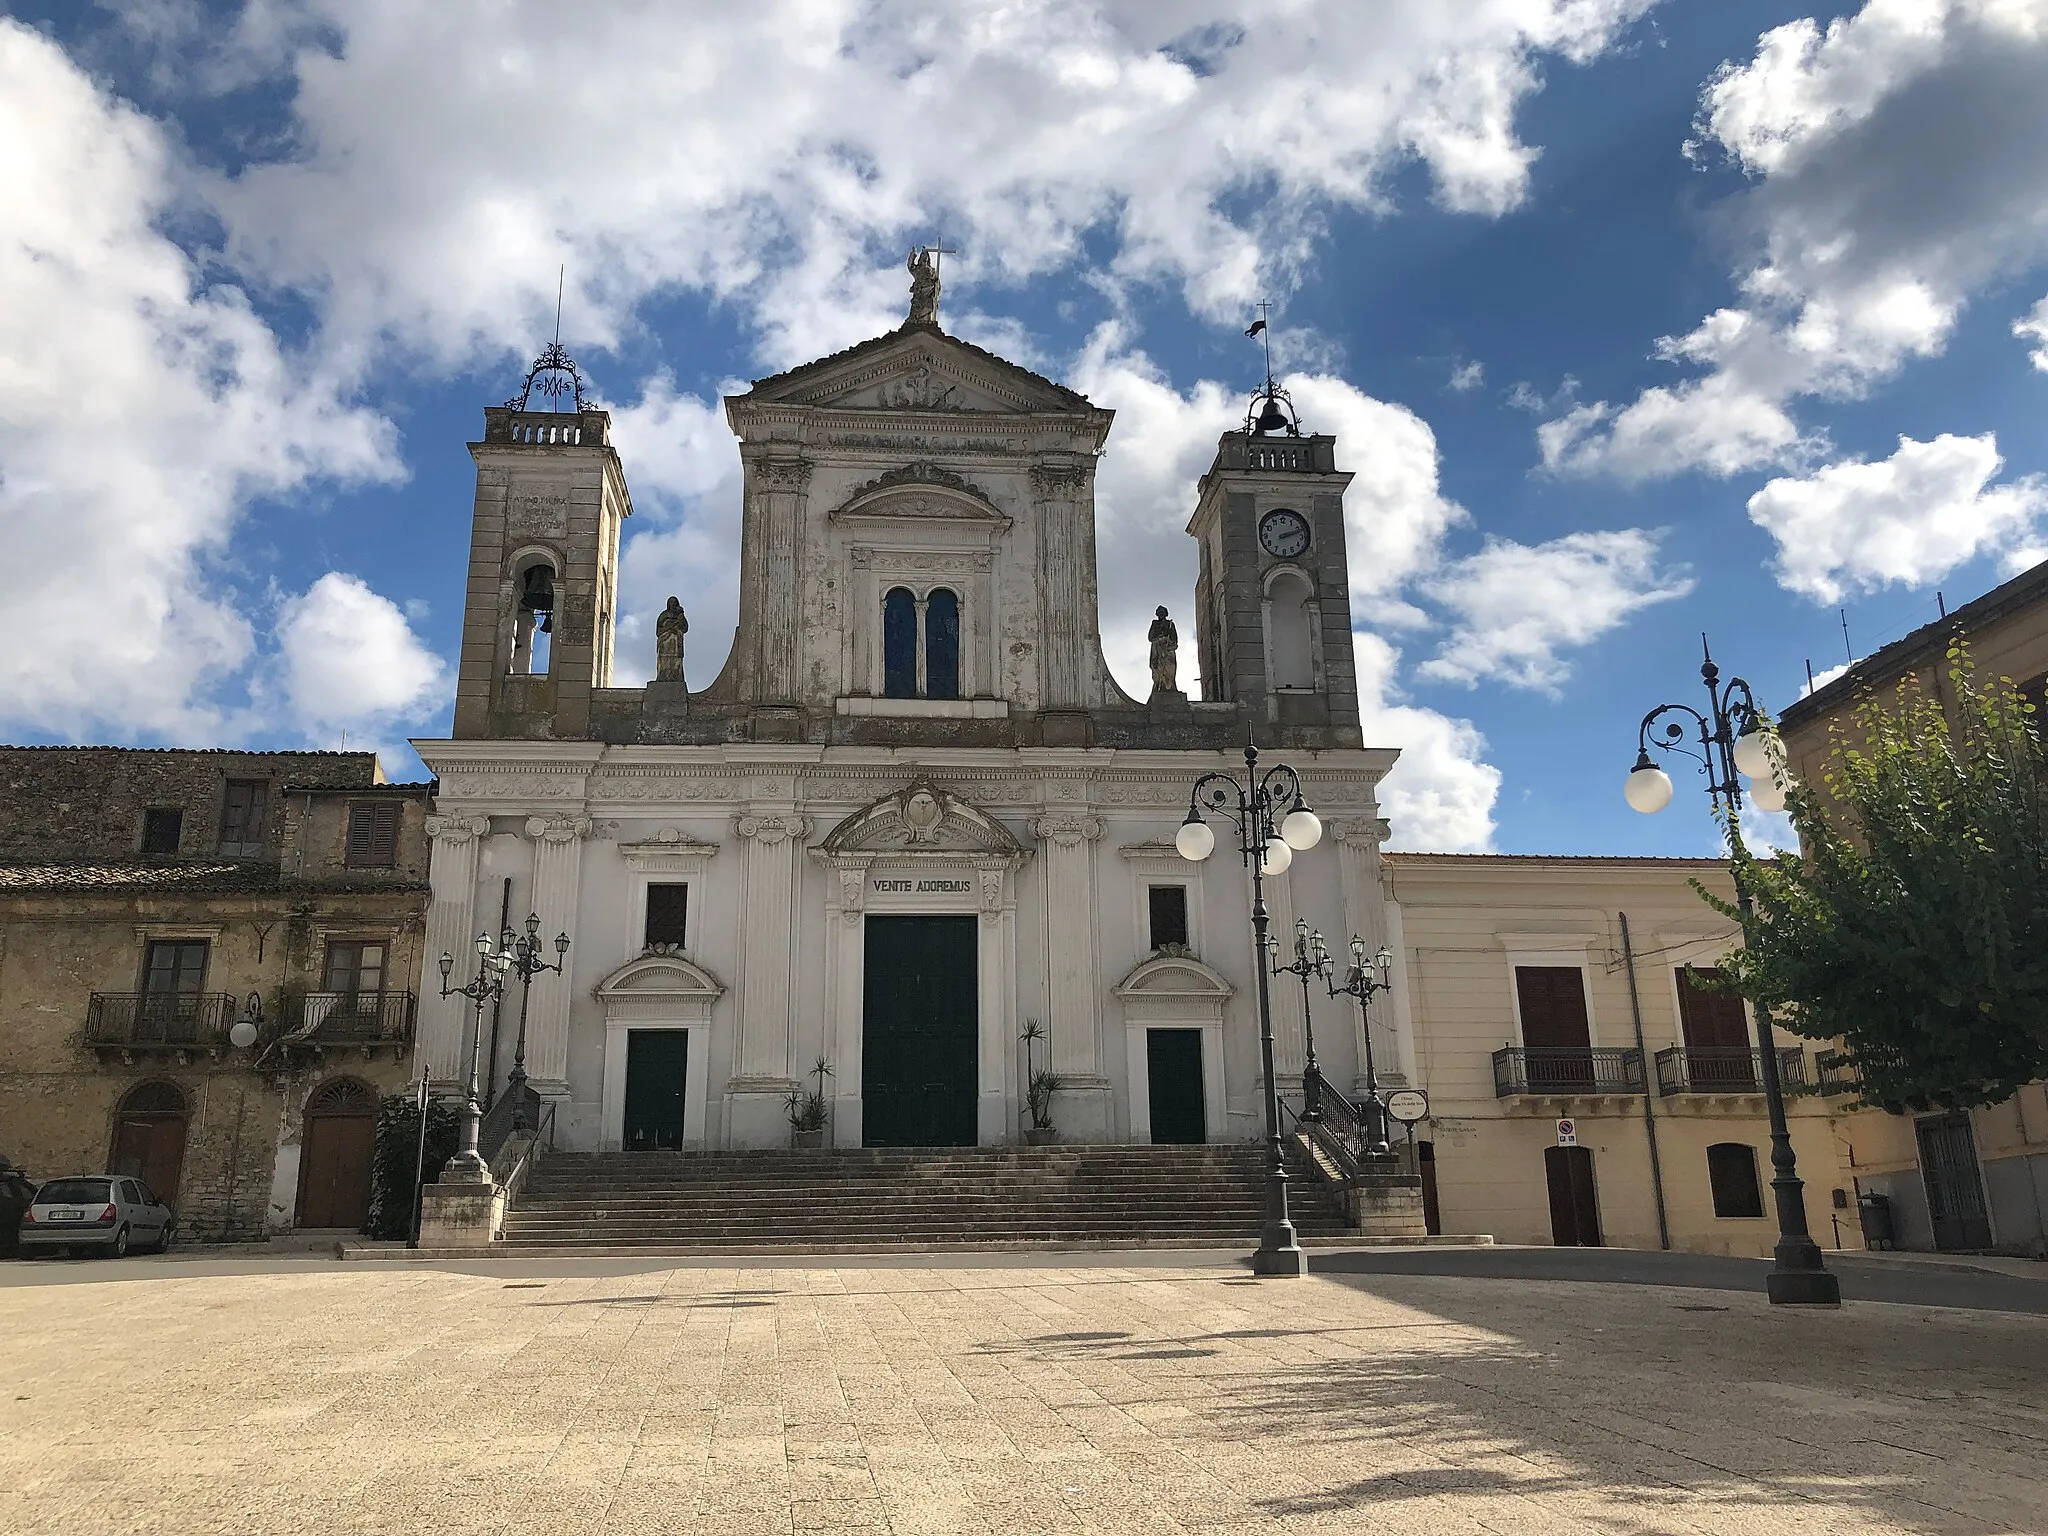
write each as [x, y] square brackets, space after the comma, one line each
[1147, 1396]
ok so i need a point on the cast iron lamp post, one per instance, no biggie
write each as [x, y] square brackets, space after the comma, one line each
[1310, 959]
[527, 964]
[467, 1166]
[1368, 974]
[1273, 823]
[1736, 741]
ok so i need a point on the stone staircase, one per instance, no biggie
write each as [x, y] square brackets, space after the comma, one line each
[882, 1199]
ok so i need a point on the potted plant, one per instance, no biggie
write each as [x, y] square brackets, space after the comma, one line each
[1038, 1094]
[808, 1110]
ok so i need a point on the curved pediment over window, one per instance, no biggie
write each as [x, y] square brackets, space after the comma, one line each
[659, 985]
[1174, 978]
[922, 491]
[921, 818]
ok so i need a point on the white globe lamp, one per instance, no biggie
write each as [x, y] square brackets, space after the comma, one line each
[1648, 788]
[1194, 840]
[1302, 829]
[1767, 793]
[1753, 752]
[1277, 858]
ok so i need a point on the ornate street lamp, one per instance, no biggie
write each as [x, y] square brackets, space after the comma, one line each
[1310, 959]
[1273, 824]
[1735, 740]
[527, 964]
[1368, 974]
[467, 1166]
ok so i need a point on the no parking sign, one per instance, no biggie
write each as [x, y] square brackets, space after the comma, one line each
[1567, 1133]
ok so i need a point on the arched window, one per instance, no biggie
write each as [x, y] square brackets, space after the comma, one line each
[154, 1099]
[942, 645]
[1731, 1170]
[1291, 642]
[899, 644]
[533, 620]
[342, 1096]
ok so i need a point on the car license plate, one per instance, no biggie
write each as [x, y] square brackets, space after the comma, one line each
[67, 1215]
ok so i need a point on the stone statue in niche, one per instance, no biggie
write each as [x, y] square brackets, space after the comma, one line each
[669, 628]
[924, 288]
[1165, 654]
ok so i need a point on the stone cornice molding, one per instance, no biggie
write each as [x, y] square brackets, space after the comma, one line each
[454, 831]
[1069, 829]
[667, 849]
[1151, 851]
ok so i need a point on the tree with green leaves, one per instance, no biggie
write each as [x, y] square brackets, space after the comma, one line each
[1913, 926]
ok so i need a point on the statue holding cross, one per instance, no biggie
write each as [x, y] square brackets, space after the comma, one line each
[924, 282]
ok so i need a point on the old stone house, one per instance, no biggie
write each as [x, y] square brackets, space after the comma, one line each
[152, 900]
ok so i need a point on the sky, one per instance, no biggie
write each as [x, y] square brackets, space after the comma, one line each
[1635, 321]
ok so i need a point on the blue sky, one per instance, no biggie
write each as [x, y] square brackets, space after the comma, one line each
[1635, 320]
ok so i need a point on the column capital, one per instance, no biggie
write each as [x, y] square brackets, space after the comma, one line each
[772, 829]
[454, 831]
[1068, 829]
[557, 829]
[1361, 832]
[782, 474]
[1056, 478]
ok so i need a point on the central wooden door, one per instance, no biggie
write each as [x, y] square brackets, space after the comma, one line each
[1173, 1073]
[1574, 1207]
[919, 1017]
[337, 1171]
[657, 1067]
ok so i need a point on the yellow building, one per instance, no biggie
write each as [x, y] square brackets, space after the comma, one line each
[1582, 1088]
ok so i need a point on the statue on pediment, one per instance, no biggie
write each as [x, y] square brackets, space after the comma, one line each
[1165, 641]
[670, 625]
[924, 288]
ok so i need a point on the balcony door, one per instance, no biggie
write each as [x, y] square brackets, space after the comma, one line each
[173, 972]
[1556, 1031]
[1716, 1031]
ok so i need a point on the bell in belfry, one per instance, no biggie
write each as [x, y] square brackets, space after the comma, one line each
[537, 596]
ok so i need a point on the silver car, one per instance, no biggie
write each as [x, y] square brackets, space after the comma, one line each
[109, 1213]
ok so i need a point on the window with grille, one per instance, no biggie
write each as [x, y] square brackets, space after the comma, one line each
[373, 834]
[1169, 913]
[1731, 1170]
[162, 826]
[668, 908]
[242, 819]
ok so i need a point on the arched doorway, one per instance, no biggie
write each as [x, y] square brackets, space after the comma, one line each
[334, 1161]
[149, 1138]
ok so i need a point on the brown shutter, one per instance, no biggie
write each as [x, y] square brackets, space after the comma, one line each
[1553, 999]
[1710, 1020]
[373, 834]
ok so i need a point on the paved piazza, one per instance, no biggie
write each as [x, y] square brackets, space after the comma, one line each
[977, 1396]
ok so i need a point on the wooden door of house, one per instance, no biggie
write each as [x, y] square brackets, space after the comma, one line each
[335, 1160]
[1955, 1193]
[149, 1139]
[1574, 1204]
[919, 1016]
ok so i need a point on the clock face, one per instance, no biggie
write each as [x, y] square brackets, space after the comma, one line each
[1284, 533]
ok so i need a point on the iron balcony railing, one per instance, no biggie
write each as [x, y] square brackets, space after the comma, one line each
[1725, 1069]
[180, 1020]
[349, 1018]
[1566, 1069]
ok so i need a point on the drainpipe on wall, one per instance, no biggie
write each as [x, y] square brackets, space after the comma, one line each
[1635, 1006]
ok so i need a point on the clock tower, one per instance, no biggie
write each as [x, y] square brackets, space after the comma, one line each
[1273, 601]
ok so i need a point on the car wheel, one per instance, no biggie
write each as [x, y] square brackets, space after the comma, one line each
[163, 1238]
[120, 1248]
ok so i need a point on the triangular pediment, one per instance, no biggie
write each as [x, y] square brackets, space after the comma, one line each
[921, 818]
[917, 368]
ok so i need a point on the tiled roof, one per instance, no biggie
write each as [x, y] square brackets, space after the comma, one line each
[876, 343]
[74, 746]
[1399, 856]
[113, 878]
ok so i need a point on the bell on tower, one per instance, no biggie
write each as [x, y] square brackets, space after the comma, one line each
[1273, 601]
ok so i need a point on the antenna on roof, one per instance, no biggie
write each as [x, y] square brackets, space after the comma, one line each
[561, 277]
[1846, 652]
[1941, 602]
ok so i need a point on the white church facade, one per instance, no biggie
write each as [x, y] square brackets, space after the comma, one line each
[913, 814]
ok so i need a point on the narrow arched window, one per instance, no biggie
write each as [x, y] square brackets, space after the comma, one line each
[1731, 1171]
[899, 644]
[1291, 642]
[942, 645]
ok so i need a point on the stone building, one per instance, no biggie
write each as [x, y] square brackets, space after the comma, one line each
[1541, 991]
[150, 901]
[913, 813]
[1954, 1179]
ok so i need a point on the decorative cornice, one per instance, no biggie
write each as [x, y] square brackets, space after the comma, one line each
[667, 849]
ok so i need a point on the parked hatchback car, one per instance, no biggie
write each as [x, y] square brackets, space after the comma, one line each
[106, 1213]
[17, 1190]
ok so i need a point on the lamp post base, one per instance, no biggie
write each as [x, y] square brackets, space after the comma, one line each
[1800, 1278]
[1279, 1254]
[465, 1168]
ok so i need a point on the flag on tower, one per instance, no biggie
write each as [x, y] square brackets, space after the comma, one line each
[1256, 327]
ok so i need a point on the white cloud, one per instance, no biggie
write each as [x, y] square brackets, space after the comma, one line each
[143, 409]
[1441, 794]
[1899, 169]
[1466, 377]
[2033, 326]
[1909, 519]
[1822, 678]
[1518, 605]
[351, 662]
[778, 155]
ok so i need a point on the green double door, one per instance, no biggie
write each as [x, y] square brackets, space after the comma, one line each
[919, 1060]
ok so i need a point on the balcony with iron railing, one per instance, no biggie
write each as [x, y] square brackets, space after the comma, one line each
[128, 1024]
[315, 1023]
[1567, 1071]
[1725, 1069]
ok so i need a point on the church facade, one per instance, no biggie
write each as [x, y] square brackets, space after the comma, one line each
[913, 816]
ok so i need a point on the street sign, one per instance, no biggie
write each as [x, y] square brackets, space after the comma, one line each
[1408, 1105]
[1567, 1133]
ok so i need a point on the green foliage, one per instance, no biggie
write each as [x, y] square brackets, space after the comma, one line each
[1914, 926]
[393, 1194]
[1038, 1094]
[807, 1108]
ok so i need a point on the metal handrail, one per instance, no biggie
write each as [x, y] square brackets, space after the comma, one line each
[517, 1108]
[1567, 1070]
[1724, 1069]
[158, 1018]
[382, 1017]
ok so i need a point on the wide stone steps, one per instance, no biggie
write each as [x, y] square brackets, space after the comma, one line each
[875, 1199]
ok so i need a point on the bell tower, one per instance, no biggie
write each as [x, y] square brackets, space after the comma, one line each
[1273, 600]
[542, 599]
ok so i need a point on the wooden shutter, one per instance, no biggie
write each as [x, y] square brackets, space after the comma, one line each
[1553, 1000]
[1709, 1020]
[373, 834]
